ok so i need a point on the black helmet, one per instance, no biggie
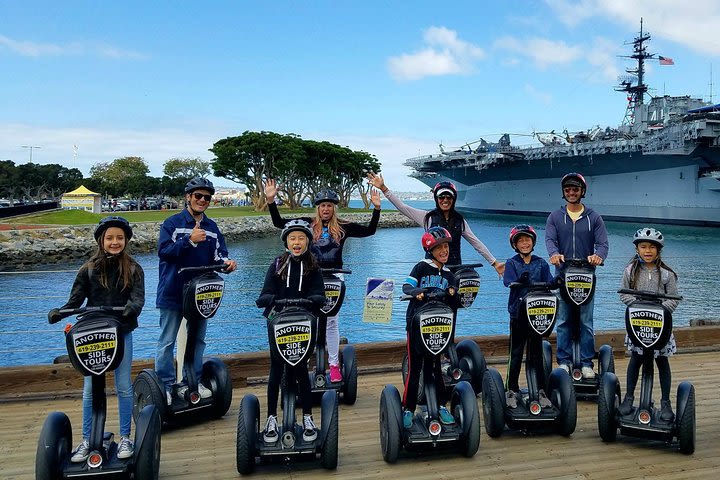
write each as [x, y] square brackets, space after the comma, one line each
[574, 179]
[113, 221]
[518, 230]
[435, 236]
[651, 235]
[296, 225]
[199, 183]
[326, 195]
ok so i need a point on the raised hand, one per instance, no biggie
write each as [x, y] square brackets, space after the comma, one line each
[198, 234]
[375, 198]
[270, 190]
[376, 180]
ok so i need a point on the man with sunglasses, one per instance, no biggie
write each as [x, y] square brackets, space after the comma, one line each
[187, 239]
[575, 231]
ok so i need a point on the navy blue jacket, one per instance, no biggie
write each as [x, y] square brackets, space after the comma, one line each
[538, 270]
[580, 239]
[176, 251]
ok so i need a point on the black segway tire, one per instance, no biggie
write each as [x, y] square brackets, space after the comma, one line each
[147, 391]
[685, 421]
[493, 399]
[248, 427]
[330, 430]
[547, 360]
[390, 423]
[562, 394]
[54, 446]
[608, 399]
[465, 409]
[606, 360]
[476, 361]
[350, 375]
[147, 443]
[216, 374]
[421, 381]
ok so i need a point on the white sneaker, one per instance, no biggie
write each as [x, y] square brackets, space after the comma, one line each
[565, 367]
[168, 397]
[587, 372]
[82, 452]
[204, 391]
[310, 431]
[126, 449]
[270, 434]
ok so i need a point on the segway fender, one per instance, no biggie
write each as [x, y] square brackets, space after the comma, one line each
[215, 371]
[683, 394]
[606, 359]
[348, 358]
[147, 417]
[328, 408]
[609, 387]
[466, 395]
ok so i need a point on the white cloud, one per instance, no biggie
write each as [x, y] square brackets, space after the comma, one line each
[34, 49]
[444, 54]
[543, 97]
[542, 51]
[603, 57]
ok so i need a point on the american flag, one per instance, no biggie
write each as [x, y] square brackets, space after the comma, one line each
[665, 60]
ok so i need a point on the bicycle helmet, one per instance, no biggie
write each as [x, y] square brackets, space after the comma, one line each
[647, 234]
[574, 179]
[296, 225]
[326, 195]
[433, 237]
[199, 183]
[443, 188]
[113, 221]
[518, 230]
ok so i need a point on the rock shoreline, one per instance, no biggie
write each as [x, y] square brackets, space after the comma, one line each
[67, 244]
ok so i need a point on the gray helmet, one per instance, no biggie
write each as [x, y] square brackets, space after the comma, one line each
[326, 195]
[648, 234]
[199, 183]
[113, 221]
[296, 225]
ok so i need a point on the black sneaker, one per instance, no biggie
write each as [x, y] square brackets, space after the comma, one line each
[627, 405]
[666, 413]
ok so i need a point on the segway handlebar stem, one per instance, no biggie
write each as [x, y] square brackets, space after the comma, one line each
[205, 268]
[463, 266]
[68, 312]
[647, 295]
[330, 271]
[294, 302]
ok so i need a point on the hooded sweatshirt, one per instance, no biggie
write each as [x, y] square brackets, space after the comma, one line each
[579, 239]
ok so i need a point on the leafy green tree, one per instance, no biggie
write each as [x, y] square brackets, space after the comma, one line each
[123, 176]
[187, 168]
[9, 186]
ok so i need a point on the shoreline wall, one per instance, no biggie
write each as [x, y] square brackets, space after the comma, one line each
[63, 243]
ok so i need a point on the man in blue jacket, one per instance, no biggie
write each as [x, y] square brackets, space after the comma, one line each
[575, 231]
[187, 239]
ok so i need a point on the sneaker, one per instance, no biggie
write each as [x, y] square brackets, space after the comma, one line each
[168, 397]
[666, 413]
[445, 417]
[310, 430]
[407, 418]
[126, 449]
[82, 452]
[588, 373]
[565, 367]
[511, 399]
[270, 434]
[543, 400]
[627, 405]
[335, 374]
[204, 391]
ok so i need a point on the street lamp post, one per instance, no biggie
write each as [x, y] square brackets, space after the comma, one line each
[31, 149]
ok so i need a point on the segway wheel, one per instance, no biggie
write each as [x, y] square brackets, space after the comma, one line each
[471, 353]
[546, 359]
[350, 375]
[608, 398]
[562, 394]
[686, 418]
[216, 374]
[493, 399]
[464, 407]
[390, 423]
[248, 427]
[146, 391]
[54, 446]
[421, 382]
[606, 360]
[147, 442]
[329, 453]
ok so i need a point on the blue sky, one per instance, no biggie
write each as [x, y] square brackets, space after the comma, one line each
[168, 79]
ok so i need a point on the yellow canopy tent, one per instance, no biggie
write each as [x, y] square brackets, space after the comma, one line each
[81, 199]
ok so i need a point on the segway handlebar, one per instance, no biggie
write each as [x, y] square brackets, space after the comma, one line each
[55, 315]
[430, 294]
[330, 271]
[581, 262]
[535, 286]
[294, 302]
[205, 268]
[463, 266]
[648, 295]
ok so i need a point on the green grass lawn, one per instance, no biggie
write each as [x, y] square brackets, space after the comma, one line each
[79, 217]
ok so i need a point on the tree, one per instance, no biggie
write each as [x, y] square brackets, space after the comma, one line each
[186, 168]
[123, 176]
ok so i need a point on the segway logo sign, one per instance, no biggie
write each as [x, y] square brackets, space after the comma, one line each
[541, 313]
[293, 341]
[646, 325]
[332, 295]
[96, 349]
[208, 297]
[435, 331]
[468, 289]
[578, 286]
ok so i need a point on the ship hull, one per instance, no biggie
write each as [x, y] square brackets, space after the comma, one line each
[660, 188]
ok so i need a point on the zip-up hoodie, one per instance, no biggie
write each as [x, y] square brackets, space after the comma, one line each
[579, 239]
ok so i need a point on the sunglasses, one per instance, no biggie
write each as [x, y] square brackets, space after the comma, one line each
[198, 196]
[445, 195]
[571, 189]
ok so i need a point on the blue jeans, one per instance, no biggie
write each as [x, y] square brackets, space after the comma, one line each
[169, 326]
[565, 333]
[124, 389]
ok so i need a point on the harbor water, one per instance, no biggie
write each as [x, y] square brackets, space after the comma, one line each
[25, 297]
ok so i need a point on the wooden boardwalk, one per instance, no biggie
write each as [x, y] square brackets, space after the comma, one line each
[207, 451]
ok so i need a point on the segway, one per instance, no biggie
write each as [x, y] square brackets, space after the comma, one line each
[95, 345]
[463, 361]
[649, 325]
[579, 288]
[539, 309]
[320, 377]
[430, 333]
[201, 298]
[292, 334]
